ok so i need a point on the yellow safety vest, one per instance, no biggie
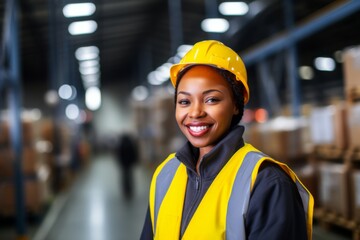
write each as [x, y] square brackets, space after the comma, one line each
[220, 214]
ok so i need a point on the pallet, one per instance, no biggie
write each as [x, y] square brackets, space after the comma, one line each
[329, 220]
[329, 152]
[353, 94]
[353, 154]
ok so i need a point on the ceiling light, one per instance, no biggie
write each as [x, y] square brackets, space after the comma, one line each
[89, 63]
[233, 8]
[140, 93]
[183, 49]
[79, 10]
[82, 27]
[324, 64]
[87, 53]
[93, 98]
[215, 25]
[51, 97]
[306, 72]
[72, 111]
[67, 92]
[91, 79]
[164, 71]
[89, 70]
[154, 78]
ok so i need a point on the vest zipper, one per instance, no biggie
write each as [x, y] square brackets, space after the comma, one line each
[197, 183]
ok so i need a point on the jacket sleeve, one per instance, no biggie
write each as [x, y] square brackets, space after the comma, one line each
[275, 208]
[147, 232]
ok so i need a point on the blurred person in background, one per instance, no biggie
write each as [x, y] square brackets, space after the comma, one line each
[127, 156]
[217, 186]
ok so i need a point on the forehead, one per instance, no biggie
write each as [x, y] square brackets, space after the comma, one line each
[202, 75]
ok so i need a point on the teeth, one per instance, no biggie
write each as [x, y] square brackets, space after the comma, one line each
[198, 128]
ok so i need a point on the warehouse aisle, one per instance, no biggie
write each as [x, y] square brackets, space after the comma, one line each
[95, 208]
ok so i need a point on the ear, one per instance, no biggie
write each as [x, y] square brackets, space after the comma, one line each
[236, 110]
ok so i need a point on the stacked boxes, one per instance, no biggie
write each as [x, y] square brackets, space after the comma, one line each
[29, 158]
[353, 122]
[281, 138]
[356, 194]
[328, 125]
[46, 162]
[32, 166]
[34, 192]
[334, 188]
[351, 67]
[329, 141]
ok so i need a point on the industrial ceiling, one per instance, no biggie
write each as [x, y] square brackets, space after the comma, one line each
[136, 36]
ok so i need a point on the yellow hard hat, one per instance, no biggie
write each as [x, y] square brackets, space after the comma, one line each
[216, 54]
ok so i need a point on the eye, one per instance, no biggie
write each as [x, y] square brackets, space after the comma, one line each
[183, 102]
[212, 100]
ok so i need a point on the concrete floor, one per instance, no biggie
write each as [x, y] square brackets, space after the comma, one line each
[95, 208]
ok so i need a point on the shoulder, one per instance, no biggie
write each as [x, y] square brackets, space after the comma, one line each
[272, 178]
[272, 181]
[275, 206]
[270, 171]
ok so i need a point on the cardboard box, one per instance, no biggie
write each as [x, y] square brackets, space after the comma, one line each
[33, 193]
[351, 68]
[4, 133]
[353, 125]
[27, 137]
[282, 138]
[47, 130]
[252, 135]
[334, 188]
[30, 163]
[328, 126]
[6, 166]
[355, 196]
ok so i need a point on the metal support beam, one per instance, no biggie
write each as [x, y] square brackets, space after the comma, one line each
[335, 13]
[292, 61]
[13, 87]
[270, 98]
[53, 46]
[176, 29]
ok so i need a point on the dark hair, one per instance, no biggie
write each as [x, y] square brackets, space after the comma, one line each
[237, 89]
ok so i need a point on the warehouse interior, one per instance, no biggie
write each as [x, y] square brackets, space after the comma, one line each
[73, 82]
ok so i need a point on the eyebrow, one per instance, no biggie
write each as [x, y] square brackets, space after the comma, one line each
[204, 93]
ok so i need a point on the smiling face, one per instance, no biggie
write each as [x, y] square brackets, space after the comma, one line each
[204, 107]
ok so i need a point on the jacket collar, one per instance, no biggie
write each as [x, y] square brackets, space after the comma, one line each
[214, 160]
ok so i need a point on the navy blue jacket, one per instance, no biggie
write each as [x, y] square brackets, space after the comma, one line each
[275, 208]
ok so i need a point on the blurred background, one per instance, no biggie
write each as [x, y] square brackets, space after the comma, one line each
[86, 105]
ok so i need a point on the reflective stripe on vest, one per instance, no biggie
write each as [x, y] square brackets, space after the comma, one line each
[221, 212]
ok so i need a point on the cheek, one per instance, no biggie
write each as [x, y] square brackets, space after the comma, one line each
[225, 114]
[226, 109]
[179, 115]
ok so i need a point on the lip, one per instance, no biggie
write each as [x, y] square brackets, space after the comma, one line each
[198, 129]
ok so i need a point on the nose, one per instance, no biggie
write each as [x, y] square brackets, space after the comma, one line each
[196, 111]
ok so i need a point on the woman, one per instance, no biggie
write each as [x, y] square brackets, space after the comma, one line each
[216, 186]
